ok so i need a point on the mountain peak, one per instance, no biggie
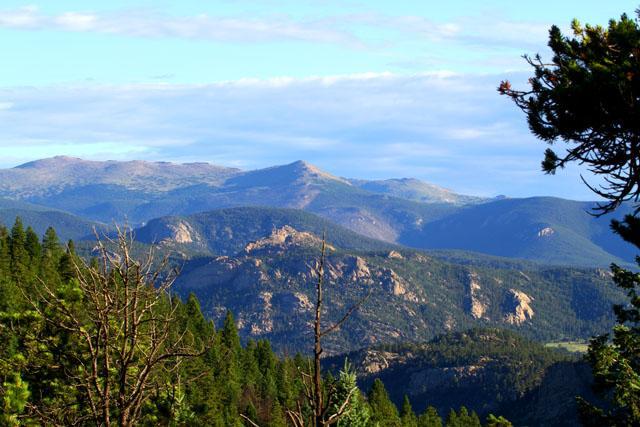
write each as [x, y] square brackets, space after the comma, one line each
[306, 170]
[302, 164]
[298, 172]
[50, 162]
[284, 237]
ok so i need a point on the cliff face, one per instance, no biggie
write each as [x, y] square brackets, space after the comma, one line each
[517, 307]
[270, 283]
[475, 304]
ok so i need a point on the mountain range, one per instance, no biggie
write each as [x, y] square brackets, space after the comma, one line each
[460, 292]
[403, 211]
[411, 296]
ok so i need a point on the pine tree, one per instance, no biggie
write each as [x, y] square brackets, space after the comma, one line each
[9, 293]
[50, 241]
[14, 400]
[51, 253]
[5, 254]
[493, 421]
[32, 246]
[18, 253]
[383, 411]
[463, 418]
[430, 418]
[229, 334]
[357, 413]
[616, 362]
[266, 361]
[452, 419]
[277, 416]
[407, 416]
[230, 378]
[66, 264]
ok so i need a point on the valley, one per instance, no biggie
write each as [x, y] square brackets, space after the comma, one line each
[460, 293]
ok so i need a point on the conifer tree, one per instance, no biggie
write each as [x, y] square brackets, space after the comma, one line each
[277, 416]
[51, 253]
[357, 413]
[66, 263]
[18, 253]
[407, 416]
[430, 418]
[452, 419]
[32, 246]
[588, 98]
[383, 411]
[123, 341]
[493, 421]
[14, 400]
[230, 383]
[50, 241]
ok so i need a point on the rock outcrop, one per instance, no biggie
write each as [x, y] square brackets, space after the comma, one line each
[474, 305]
[396, 285]
[182, 232]
[517, 307]
[284, 237]
[546, 232]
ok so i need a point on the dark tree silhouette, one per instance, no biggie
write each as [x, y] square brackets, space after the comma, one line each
[588, 97]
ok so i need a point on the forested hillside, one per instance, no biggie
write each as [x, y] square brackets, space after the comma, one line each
[399, 211]
[487, 370]
[104, 341]
[412, 296]
[228, 231]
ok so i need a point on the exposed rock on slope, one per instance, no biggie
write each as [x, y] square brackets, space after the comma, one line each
[229, 231]
[475, 306]
[182, 232]
[518, 308]
[412, 296]
[546, 232]
[283, 238]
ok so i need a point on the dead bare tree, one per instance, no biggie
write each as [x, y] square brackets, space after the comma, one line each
[126, 328]
[322, 398]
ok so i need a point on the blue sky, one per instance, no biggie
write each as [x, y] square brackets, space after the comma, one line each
[373, 89]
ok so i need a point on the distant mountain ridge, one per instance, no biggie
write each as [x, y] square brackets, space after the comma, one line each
[40, 218]
[400, 211]
[414, 189]
[228, 231]
[140, 191]
[51, 175]
[543, 229]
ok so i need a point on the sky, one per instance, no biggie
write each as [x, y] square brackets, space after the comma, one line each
[362, 89]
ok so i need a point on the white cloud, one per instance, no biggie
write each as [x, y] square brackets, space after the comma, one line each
[74, 21]
[486, 32]
[137, 24]
[25, 17]
[451, 129]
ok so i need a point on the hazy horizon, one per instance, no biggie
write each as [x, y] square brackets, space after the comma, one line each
[365, 90]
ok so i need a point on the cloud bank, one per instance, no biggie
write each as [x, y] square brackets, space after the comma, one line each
[345, 30]
[448, 128]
